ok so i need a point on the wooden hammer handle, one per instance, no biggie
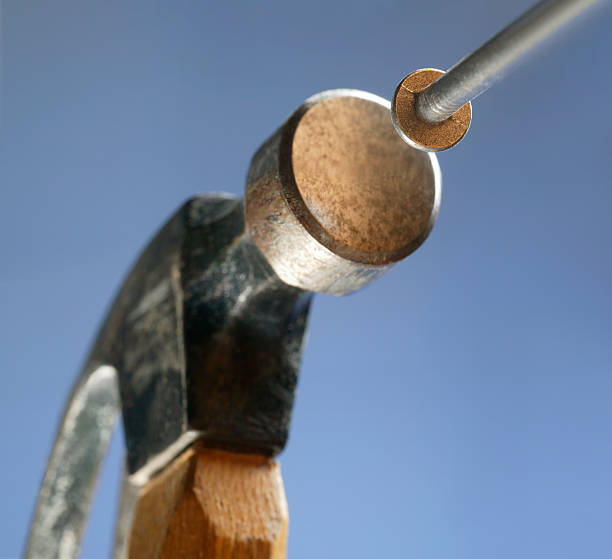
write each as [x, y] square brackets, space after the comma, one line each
[211, 504]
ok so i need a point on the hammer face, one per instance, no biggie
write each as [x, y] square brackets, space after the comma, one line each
[334, 198]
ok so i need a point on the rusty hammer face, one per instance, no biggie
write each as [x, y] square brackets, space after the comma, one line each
[204, 339]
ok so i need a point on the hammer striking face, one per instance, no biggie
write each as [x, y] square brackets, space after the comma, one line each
[204, 339]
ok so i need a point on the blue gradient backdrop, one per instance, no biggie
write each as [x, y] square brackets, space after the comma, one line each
[460, 407]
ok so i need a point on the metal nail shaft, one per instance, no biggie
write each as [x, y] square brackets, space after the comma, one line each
[478, 71]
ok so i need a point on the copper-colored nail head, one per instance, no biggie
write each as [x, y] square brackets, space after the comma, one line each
[417, 132]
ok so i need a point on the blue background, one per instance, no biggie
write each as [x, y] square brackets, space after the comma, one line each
[460, 407]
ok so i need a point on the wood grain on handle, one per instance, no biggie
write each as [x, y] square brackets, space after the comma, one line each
[210, 504]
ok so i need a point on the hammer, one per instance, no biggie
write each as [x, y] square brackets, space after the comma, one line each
[200, 351]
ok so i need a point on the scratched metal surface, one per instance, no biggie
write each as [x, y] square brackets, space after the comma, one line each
[67, 488]
[457, 408]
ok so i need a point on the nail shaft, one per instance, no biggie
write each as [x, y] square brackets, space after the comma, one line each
[478, 71]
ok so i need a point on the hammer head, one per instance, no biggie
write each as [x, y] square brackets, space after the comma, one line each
[205, 336]
[207, 331]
